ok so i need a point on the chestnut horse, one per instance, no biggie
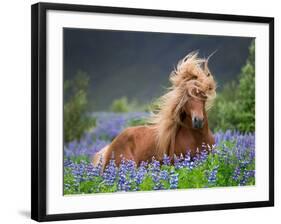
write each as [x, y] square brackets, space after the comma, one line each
[180, 124]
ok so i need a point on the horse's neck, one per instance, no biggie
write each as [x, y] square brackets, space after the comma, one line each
[191, 138]
[198, 136]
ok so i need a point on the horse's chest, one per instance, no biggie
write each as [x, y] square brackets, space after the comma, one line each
[187, 141]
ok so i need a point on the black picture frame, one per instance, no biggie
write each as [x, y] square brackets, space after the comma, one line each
[39, 107]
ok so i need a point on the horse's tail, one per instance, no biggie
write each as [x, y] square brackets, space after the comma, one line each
[101, 157]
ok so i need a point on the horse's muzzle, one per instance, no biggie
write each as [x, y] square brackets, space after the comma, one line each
[197, 122]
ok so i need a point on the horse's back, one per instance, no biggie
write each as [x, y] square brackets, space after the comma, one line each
[134, 143]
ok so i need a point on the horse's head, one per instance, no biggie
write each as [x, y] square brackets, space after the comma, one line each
[190, 96]
[194, 108]
[195, 83]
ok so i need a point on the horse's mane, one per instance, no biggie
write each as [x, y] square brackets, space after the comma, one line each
[191, 74]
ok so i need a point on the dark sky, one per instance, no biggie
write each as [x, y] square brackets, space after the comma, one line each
[138, 64]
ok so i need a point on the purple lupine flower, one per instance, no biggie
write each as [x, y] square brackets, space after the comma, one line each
[78, 172]
[166, 160]
[251, 173]
[131, 174]
[109, 128]
[98, 168]
[144, 164]
[154, 165]
[110, 173]
[122, 179]
[203, 155]
[83, 147]
[154, 168]
[252, 154]
[90, 171]
[141, 172]
[173, 180]
[126, 174]
[131, 168]
[246, 175]
[164, 175]
[244, 163]
[67, 163]
[196, 159]
[156, 179]
[110, 124]
[177, 162]
[191, 165]
[186, 160]
[212, 178]
[97, 146]
[236, 173]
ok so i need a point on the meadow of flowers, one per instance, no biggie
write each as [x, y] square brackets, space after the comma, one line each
[231, 162]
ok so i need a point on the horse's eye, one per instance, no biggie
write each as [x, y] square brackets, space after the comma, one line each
[210, 88]
[194, 77]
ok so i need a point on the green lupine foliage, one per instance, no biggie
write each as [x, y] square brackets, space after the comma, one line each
[147, 184]
[76, 121]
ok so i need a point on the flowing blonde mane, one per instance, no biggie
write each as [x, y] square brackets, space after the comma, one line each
[190, 75]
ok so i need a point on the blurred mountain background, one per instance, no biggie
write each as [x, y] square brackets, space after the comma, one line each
[137, 65]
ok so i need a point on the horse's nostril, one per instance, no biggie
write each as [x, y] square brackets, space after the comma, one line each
[197, 122]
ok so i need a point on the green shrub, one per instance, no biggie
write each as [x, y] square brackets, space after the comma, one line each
[76, 121]
[246, 94]
[123, 105]
[234, 107]
[120, 105]
[137, 122]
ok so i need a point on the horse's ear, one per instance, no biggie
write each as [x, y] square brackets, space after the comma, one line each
[206, 68]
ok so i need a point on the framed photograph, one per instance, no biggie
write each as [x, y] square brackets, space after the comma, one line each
[138, 111]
